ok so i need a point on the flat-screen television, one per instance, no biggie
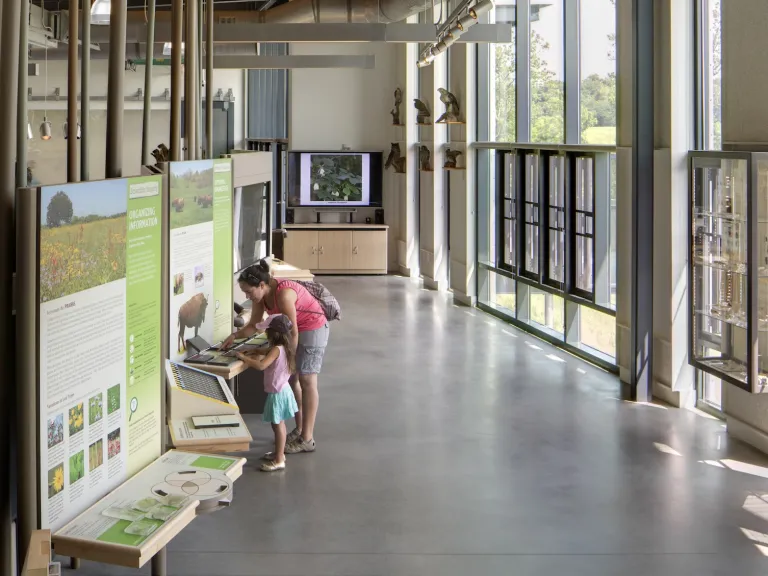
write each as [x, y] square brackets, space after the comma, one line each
[334, 178]
[250, 225]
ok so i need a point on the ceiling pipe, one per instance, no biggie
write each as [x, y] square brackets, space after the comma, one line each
[176, 79]
[85, 91]
[145, 152]
[137, 52]
[72, 141]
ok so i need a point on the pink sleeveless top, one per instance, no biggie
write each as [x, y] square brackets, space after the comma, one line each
[276, 375]
[309, 314]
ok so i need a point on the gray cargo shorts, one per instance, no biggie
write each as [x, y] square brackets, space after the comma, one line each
[311, 349]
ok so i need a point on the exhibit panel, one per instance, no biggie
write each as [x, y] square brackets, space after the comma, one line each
[98, 299]
[728, 222]
[200, 252]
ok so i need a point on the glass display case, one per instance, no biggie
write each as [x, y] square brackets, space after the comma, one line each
[728, 275]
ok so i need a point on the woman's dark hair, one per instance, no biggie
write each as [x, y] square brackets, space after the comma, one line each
[283, 339]
[256, 274]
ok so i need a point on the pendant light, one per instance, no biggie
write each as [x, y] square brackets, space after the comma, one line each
[66, 130]
[45, 128]
[100, 12]
[30, 136]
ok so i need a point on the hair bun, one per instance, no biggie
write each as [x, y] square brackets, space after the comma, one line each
[263, 265]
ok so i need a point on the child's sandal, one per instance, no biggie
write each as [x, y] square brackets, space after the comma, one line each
[272, 466]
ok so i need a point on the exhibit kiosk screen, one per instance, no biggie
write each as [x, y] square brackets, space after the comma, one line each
[198, 382]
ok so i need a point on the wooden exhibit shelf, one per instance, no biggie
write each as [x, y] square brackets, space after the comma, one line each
[100, 538]
[38, 554]
[284, 271]
[338, 248]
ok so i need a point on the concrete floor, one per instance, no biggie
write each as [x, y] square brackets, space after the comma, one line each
[452, 444]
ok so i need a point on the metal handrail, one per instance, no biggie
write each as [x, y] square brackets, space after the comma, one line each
[536, 146]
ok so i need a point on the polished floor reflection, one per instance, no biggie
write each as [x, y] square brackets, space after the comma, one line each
[451, 444]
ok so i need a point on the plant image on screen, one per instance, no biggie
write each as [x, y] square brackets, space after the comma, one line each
[336, 178]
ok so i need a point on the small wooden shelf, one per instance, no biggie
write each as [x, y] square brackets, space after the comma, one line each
[454, 168]
[459, 122]
[398, 124]
[422, 170]
[423, 124]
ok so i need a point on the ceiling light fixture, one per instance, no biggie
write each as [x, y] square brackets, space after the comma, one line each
[66, 130]
[45, 130]
[100, 12]
[480, 8]
[453, 27]
[30, 135]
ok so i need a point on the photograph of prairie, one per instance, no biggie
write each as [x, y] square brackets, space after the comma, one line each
[191, 188]
[336, 178]
[82, 236]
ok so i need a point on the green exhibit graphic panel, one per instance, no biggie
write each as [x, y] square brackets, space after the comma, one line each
[200, 256]
[99, 372]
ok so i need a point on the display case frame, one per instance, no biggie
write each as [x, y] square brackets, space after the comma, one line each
[724, 322]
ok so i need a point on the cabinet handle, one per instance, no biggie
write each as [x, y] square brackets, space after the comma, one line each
[354, 250]
[321, 250]
[313, 250]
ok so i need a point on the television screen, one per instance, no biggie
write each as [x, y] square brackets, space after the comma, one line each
[334, 178]
[250, 223]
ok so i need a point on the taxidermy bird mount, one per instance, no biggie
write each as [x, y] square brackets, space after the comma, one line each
[451, 113]
[396, 110]
[450, 158]
[395, 160]
[424, 159]
[422, 117]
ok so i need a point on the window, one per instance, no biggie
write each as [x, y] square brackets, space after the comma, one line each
[597, 65]
[711, 76]
[503, 75]
[547, 73]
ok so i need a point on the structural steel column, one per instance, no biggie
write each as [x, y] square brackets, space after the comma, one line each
[177, 13]
[115, 99]
[641, 322]
[145, 154]
[9, 78]
[72, 95]
[85, 93]
[209, 79]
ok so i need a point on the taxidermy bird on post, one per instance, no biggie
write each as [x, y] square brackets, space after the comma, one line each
[450, 158]
[396, 110]
[395, 160]
[451, 113]
[424, 159]
[422, 117]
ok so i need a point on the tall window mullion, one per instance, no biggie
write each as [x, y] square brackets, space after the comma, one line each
[584, 229]
[509, 214]
[556, 222]
[531, 221]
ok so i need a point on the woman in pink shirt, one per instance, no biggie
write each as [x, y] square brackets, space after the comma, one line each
[309, 338]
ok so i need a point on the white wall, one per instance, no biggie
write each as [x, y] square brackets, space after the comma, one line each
[48, 159]
[331, 108]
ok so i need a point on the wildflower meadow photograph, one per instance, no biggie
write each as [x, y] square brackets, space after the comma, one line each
[82, 236]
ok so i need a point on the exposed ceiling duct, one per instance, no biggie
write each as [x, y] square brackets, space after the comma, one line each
[137, 52]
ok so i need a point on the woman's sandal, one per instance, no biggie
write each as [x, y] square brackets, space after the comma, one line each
[272, 466]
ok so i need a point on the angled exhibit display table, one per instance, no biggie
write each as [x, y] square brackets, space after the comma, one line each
[132, 523]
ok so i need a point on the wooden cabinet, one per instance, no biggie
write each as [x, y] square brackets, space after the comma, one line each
[300, 249]
[369, 250]
[337, 248]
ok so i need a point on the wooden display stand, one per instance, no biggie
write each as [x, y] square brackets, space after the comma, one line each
[38, 554]
[337, 248]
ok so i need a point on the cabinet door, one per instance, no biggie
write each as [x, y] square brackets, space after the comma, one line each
[369, 250]
[300, 249]
[335, 247]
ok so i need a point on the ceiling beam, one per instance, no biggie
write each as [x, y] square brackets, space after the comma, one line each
[365, 62]
[375, 32]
